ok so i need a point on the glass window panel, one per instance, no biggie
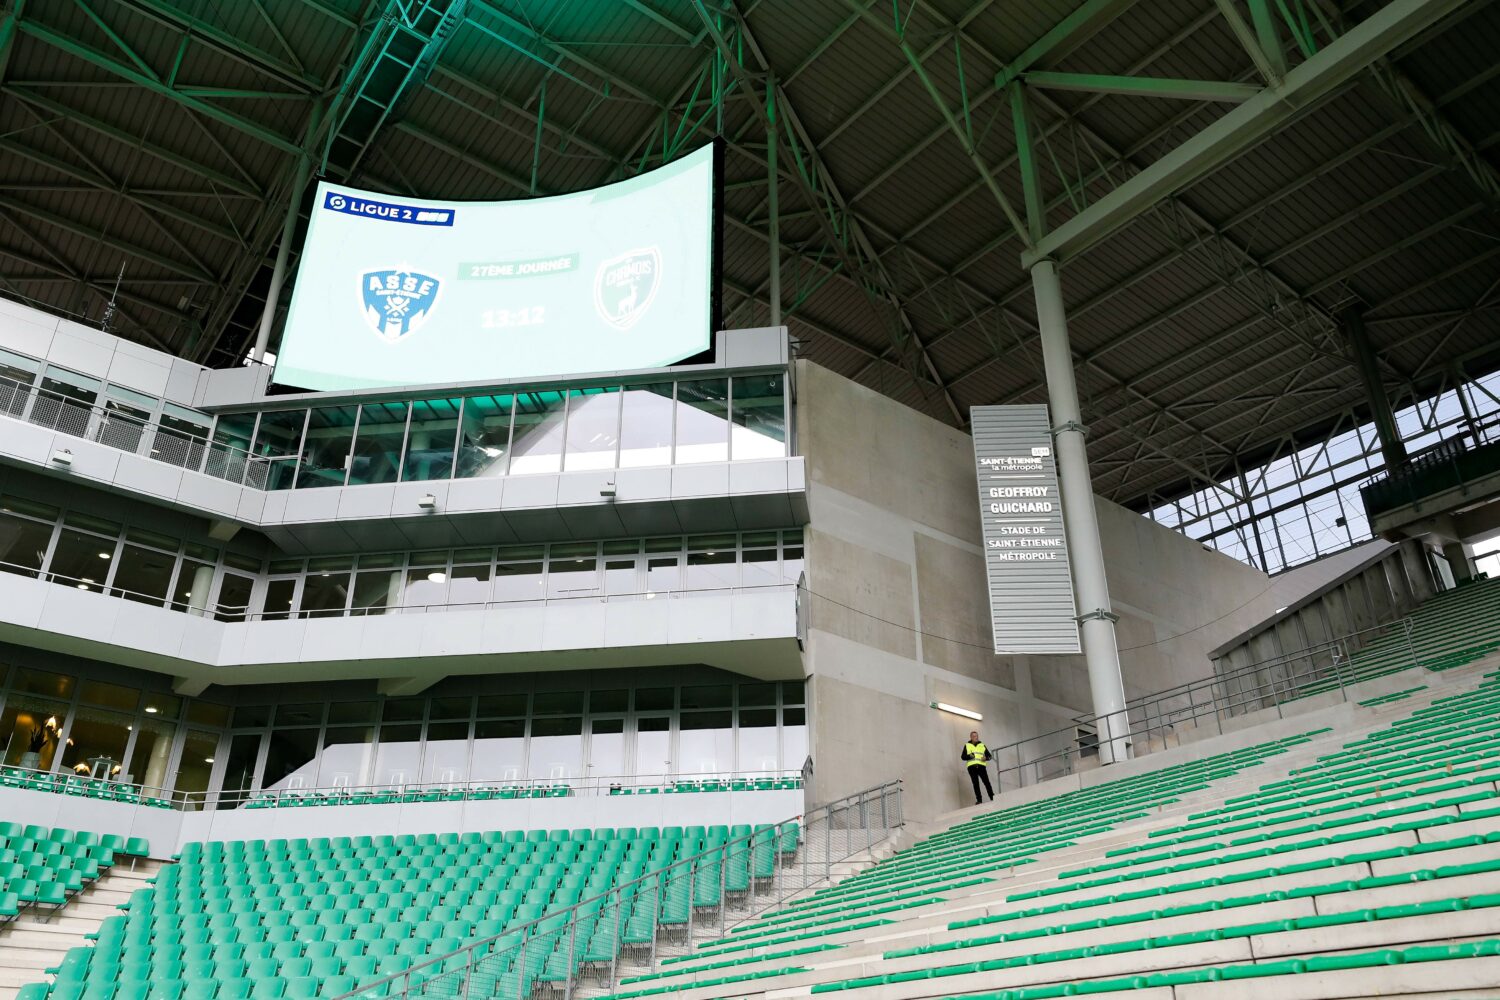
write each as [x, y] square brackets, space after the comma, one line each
[403, 710]
[703, 420]
[82, 559]
[707, 696]
[646, 425]
[399, 759]
[537, 440]
[484, 437]
[23, 544]
[503, 704]
[30, 726]
[142, 574]
[499, 750]
[206, 713]
[572, 578]
[757, 694]
[616, 700]
[663, 575]
[197, 763]
[377, 446]
[239, 769]
[109, 695]
[279, 597]
[346, 757]
[429, 443]
[446, 760]
[326, 447]
[621, 577]
[557, 702]
[43, 682]
[251, 564]
[761, 568]
[705, 742]
[352, 711]
[793, 741]
[95, 741]
[426, 586]
[469, 585]
[759, 428]
[252, 716]
[794, 716]
[556, 748]
[517, 581]
[791, 563]
[444, 709]
[793, 692]
[757, 745]
[469, 557]
[655, 699]
[712, 570]
[279, 438]
[71, 385]
[235, 430]
[593, 428]
[324, 595]
[376, 591]
[234, 597]
[653, 745]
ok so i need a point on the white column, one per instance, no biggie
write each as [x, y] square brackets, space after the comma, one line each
[203, 579]
[1085, 553]
[156, 766]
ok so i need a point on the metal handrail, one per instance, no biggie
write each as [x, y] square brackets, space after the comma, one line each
[467, 790]
[568, 918]
[1247, 688]
[241, 613]
[123, 432]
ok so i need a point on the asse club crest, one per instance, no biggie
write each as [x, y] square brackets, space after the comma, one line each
[397, 301]
[625, 286]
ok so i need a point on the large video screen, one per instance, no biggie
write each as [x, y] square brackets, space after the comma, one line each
[394, 291]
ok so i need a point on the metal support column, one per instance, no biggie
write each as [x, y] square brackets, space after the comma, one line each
[1096, 621]
[1352, 325]
[773, 207]
[288, 229]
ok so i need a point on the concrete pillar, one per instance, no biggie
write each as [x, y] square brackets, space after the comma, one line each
[1086, 554]
[393, 591]
[1352, 323]
[156, 766]
[203, 579]
[1457, 554]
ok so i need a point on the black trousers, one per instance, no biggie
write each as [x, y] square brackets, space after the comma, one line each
[976, 775]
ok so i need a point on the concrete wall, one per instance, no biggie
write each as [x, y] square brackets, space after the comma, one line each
[167, 830]
[897, 608]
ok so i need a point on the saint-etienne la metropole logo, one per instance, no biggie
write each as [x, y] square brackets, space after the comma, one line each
[626, 285]
[397, 301]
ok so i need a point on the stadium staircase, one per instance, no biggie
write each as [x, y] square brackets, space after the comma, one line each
[1359, 864]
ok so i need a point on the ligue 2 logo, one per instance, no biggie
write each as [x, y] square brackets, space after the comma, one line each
[397, 301]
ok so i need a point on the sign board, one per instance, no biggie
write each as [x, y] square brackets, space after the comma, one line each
[1025, 550]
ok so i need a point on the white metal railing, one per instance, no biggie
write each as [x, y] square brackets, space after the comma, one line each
[124, 432]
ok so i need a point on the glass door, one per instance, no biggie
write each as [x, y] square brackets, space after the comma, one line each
[653, 745]
[606, 752]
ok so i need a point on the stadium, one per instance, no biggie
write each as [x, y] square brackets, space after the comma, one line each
[692, 499]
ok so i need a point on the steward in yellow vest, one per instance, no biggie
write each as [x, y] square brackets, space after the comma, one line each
[976, 758]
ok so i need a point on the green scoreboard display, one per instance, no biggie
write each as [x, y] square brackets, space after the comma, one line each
[393, 291]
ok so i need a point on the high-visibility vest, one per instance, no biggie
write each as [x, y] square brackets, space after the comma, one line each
[978, 753]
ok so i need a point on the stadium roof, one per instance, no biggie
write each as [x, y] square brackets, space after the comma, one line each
[1220, 179]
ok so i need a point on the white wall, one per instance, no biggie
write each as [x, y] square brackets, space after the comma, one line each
[898, 609]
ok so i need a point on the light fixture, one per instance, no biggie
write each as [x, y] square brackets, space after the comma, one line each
[428, 502]
[83, 586]
[208, 760]
[437, 576]
[607, 491]
[104, 555]
[492, 452]
[62, 458]
[152, 710]
[967, 713]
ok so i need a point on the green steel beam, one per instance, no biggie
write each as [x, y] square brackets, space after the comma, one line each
[75, 117]
[1303, 88]
[1142, 86]
[104, 238]
[1269, 41]
[1270, 72]
[93, 56]
[9, 21]
[1031, 186]
[1068, 34]
[226, 45]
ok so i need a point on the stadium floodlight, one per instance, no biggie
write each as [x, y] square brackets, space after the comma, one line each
[967, 713]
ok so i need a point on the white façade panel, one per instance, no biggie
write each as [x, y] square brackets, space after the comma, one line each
[1025, 545]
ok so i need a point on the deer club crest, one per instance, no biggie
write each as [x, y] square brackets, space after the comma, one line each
[625, 286]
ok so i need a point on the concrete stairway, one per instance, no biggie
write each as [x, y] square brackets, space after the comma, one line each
[35, 941]
[859, 953]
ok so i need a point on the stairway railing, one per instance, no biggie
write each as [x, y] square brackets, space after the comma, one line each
[658, 914]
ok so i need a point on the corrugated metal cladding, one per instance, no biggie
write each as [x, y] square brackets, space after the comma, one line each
[1025, 547]
[159, 135]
